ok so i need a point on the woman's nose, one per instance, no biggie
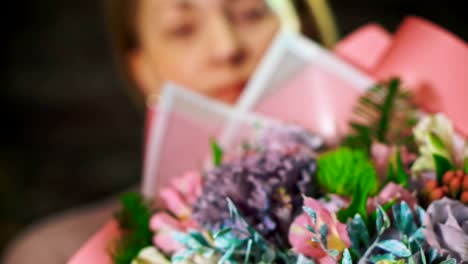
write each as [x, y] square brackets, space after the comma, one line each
[223, 43]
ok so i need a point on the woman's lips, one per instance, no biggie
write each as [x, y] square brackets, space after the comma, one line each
[230, 93]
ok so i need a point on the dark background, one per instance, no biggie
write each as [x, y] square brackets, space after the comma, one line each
[69, 132]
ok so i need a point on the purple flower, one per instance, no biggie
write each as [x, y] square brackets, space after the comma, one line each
[266, 186]
[447, 227]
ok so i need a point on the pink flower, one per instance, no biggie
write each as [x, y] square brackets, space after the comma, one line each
[383, 155]
[390, 192]
[177, 199]
[301, 238]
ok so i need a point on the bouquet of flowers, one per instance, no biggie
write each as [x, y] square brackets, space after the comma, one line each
[393, 190]
[350, 174]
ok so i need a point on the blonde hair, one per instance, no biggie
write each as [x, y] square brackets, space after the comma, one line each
[314, 18]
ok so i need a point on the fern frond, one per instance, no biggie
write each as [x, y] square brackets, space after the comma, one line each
[384, 114]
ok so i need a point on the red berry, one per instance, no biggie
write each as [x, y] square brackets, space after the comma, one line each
[430, 185]
[436, 194]
[459, 173]
[448, 176]
[445, 189]
[465, 183]
[464, 197]
[455, 185]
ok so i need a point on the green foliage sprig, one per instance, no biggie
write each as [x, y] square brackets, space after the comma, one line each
[345, 171]
[218, 153]
[406, 245]
[396, 172]
[320, 235]
[348, 173]
[237, 243]
[384, 114]
[133, 220]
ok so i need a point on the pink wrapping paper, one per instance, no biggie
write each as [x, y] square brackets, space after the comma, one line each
[365, 47]
[430, 60]
[310, 101]
[96, 249]
[185, 148]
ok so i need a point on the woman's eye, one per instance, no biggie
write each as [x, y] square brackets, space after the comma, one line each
[251, 15]
[182, 31]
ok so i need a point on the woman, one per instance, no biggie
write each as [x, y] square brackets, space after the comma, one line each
[211, 46]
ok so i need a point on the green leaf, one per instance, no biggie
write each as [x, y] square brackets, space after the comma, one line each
[227, 255]
[222, 232]
[200, 239]
[187, 240]
[436, 142]
[442, 165]
[387, 109]
[358, 234]
[399, 174]
[233, 212]
[449, 261]
[333, 253]
[133, 219]
[268, 256]
[248, 251]
[343, 170]
[382, 222]
[324, 234]
[402, 177]
[423, 256]
[385, 208]
[433, 255]
[379, 119]
[395, 247]
[358, 205]
[465, 165]
[301, 259]
[404, 218]
[391, 176]
[311, 213]
[382, 257]
[217, 153]
[311, 229]
[421, 214]
[346, 257]
[417, 239]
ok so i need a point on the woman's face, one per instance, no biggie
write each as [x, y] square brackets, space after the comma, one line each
[210, 46]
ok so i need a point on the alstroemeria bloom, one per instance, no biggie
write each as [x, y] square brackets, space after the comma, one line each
[177, 199]
[301, 238]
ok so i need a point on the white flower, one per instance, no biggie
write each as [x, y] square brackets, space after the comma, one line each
[197, 257]
[438, 124]
[434, 134]
[150, 255]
